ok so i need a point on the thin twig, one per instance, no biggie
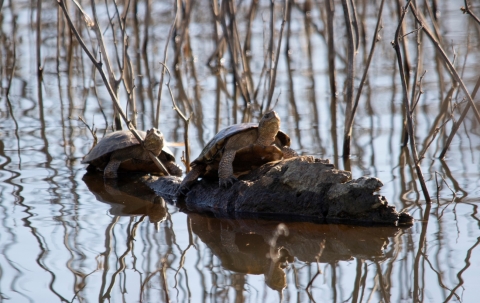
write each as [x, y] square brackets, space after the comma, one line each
[410, 127]
[466, 10]
[456, 125]
[93, 130]
[184, 118]
[99, 66]
[449, 64]
[349, 81]
[14, 55]
[420, 92]
[160, 86]
[277, 55]
[376, 38]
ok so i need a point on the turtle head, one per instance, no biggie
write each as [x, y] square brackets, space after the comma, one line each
[268, 128]
[154, 141]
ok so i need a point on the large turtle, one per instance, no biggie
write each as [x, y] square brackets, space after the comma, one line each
[120, 150]
[239, 148]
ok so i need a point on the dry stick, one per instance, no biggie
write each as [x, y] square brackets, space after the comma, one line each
[103, 50]
[146, 27]
[449, 64]
[248, 36]
[232, 48]
[129, 82]
[115, 42]
[93, 131]
[274, 74]
[14, 51]
[349, 124]
[184, 118]
[419, 64]
[330, 8]
[39, 39]
[269, 59]
[247, 73]
[127, 72]
[355, 24]
[456, 124]
[452, 70]
[183, 26]
[98, 65]
[410, 127]
[165, 57]
[441, 116]
[420, 93]
[330, 12]
[349, 82]
[466, 10]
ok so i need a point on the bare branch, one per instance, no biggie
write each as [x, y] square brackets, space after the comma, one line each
[406, 102]
[98, 65]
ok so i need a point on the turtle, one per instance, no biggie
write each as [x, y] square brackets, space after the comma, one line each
[120, 150]
[240, 148]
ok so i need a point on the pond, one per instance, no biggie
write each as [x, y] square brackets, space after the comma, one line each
[69, 237]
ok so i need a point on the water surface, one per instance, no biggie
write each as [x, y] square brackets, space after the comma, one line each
[67, 237]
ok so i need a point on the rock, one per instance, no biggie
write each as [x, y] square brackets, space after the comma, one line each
[297, 189]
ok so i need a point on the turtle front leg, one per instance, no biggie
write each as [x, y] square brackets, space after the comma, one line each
[225, 169]
[110, 171]
[191, 177]
[288, 152]
[173, 169]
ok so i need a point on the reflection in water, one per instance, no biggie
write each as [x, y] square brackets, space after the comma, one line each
[243, 247]
[127, 196]
[266, 247]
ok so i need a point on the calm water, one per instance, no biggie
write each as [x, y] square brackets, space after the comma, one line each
[67, 237]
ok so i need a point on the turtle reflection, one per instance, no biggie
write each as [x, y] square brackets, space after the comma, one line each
[253, 246]
[127, 197]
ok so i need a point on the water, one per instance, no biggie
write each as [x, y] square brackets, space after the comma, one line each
[64, 237]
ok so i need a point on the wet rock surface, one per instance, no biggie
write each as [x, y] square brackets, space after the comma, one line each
[298, 189]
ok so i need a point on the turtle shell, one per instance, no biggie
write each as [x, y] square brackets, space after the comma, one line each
[119, 140]
[214, 149]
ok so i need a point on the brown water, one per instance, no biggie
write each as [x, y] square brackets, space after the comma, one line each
[65, 237]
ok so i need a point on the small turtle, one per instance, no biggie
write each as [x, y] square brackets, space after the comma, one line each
[120, 150]
[240, 148]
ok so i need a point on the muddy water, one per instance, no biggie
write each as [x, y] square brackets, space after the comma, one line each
[69, 237]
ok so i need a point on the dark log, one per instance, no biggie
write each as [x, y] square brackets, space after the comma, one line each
[298, 189]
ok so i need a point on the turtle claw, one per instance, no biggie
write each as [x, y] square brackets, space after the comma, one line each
[227, 182]
[182, 190]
